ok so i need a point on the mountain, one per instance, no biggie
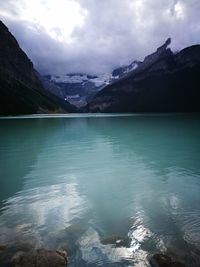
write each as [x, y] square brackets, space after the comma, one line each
[77, 88]
[163, 82]
[21, 92]
[122, 71]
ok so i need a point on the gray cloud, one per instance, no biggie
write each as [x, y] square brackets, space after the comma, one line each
[114, 32]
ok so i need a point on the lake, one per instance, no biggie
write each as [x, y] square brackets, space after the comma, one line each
[110, 189]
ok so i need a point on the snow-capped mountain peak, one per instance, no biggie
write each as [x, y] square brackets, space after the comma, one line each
[99, 80]
[79, 88]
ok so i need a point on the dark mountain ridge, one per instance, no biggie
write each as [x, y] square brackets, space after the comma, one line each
[21, 92]
[163, 82]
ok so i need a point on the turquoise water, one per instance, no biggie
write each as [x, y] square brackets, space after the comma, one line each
[112, 190]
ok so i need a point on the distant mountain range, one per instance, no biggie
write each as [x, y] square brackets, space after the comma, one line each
[21, 92]
[163, 82]
[77, 88]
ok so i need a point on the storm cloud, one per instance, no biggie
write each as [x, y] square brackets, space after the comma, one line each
[95, 36]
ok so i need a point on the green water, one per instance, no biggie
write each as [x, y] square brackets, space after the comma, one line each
[83, 183]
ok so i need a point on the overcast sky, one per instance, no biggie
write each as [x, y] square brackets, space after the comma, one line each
[93, 36]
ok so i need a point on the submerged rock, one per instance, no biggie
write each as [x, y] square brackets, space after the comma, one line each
[2, 247]
[162, 260]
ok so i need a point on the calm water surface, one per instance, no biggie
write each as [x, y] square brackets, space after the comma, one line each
[111, 190]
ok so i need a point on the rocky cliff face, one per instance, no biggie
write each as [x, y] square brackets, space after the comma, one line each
[21, 92]
[163, 82]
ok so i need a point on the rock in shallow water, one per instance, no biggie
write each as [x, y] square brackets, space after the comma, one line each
[40, 258]
[33, 258]
[161, 260]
